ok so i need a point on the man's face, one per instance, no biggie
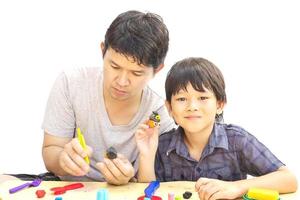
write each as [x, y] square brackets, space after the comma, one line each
[124, 79]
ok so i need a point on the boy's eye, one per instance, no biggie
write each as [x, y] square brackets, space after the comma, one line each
[181, 99]
[203, 98]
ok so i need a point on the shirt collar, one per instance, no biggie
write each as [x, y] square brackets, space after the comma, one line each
[217, 139]
[177, 142]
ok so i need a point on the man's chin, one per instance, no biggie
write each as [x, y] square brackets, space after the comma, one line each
[119, 97]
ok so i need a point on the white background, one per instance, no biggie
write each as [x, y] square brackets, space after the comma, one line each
[255, 43]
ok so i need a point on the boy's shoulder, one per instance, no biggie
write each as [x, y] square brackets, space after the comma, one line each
[237, 136]
[232, 129]
[167, 136]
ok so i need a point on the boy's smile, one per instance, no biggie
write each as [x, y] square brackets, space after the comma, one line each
[194, 111]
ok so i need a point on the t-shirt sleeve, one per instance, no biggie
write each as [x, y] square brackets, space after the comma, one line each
[256, 159]
[59, 119]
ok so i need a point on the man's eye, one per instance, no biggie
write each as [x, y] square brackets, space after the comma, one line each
[115, 67]
[137, 73]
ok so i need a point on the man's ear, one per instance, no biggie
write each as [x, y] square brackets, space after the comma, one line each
[220, 107]
[159, 68]
[169, 108]
[102, 46]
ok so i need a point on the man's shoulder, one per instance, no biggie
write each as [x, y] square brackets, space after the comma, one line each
[82, 73]
[151, 94]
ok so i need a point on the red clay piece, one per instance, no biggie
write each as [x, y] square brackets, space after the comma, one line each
[40, 193]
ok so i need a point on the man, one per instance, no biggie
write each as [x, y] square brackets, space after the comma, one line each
[107, 105]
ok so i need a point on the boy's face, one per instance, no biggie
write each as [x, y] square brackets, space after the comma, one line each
[123, 78]
[194, 111]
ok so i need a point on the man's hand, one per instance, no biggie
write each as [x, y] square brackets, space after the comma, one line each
[117, 171]
[212, 189]
[147, 140]
[71, 159]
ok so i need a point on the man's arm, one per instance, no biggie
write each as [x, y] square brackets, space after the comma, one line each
[64, 156]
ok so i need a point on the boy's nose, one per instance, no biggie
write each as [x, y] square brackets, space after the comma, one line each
[193, 105]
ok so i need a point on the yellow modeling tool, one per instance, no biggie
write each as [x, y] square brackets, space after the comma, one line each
[261, 194]
[82, 143]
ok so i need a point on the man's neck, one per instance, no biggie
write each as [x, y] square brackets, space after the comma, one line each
[121, 112]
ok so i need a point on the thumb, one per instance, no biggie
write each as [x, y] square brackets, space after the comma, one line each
[89, 151]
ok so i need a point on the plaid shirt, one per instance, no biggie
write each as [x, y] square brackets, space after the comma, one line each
[231, 154]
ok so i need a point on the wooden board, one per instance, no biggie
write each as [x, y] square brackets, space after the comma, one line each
[130, 191]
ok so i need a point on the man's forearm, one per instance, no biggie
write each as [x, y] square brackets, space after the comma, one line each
[51, 159]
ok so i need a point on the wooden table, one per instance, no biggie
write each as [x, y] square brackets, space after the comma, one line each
[130, 191]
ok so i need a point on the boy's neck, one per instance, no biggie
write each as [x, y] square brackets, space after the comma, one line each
[196, 142]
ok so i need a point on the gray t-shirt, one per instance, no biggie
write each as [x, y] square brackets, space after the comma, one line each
[76, 100]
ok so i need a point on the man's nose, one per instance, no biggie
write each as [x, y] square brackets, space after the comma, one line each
[123, 79]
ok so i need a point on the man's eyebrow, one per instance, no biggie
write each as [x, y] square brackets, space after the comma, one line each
[114, 63]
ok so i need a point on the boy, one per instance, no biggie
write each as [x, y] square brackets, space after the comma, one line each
[216, 155]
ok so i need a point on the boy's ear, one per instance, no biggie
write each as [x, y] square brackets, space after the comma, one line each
[169, 108]
[159, 68]
[220, 107]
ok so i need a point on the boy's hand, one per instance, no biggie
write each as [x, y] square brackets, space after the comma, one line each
[117, 171]
[71, 159]
[213, 189]
[147, 140]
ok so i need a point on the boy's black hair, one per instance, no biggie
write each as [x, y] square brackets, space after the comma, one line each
[142, 36]
[199, 72]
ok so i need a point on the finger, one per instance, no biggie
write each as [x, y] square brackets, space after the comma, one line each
[217, 195]
[80, 162]
[124, 166]
[210, 191]
[156, 131]
[108, 176]
[201, 182]
[114, 169]
[89, 151]
[204, 190]
[144, 126]
[69, 166]
[140, 134]
[78, 148]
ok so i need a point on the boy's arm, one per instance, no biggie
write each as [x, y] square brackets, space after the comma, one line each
[146, 171]
[281, 180]
[147, 142]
